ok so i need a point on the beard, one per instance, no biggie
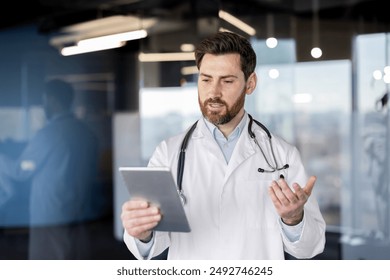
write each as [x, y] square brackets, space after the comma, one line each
[225, 114]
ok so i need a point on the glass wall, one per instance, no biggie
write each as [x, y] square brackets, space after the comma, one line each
[309, 106]
[55, 147]
[366, 216]
[165, 111]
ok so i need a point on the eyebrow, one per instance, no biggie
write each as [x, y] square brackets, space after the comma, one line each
[222, 77]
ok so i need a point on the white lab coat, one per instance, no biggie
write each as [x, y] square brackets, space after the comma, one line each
[228, 207]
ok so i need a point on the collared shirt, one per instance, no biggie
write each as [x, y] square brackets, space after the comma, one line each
[227, 144]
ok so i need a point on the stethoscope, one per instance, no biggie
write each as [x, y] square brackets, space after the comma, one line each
[183, 147]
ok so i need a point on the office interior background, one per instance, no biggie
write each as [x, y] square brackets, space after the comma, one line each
[332, 105]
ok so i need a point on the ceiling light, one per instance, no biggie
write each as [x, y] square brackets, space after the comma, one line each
[273, 73]
[156, 57]
[120, 26]
[187, 47]
[271, 41]
[103, 42]
[73, 50]
[316, 51]
[237, 22]
[119, 37]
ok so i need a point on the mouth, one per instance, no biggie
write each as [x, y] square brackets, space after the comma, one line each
[215, 105]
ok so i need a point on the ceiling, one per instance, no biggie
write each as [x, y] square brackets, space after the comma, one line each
[181, 20]
[50, 15]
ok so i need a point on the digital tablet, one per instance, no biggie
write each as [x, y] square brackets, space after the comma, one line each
[156, 185]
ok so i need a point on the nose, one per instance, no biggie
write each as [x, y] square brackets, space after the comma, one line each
[215, 90]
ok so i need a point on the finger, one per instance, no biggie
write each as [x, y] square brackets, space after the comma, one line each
[142, 221]
[141, 231]
[140, 212]
[139, 226]
[273, 197]
[303, 193]
[135, 203]
[310, 185]
[300, 193]
[279, 194]
[287, 191]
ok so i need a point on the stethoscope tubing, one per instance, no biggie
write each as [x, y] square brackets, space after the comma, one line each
[183, 148]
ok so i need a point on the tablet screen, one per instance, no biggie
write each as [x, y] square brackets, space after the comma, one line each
[156, 185]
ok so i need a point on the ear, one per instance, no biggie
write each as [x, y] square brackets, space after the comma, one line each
[251, 83]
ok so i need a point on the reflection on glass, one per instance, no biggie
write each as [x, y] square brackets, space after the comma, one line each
[57, 167]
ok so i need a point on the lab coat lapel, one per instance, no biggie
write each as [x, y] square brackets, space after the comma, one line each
[244, 149]
[209, 144]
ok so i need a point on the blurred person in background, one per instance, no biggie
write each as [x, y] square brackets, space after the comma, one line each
[61, 163]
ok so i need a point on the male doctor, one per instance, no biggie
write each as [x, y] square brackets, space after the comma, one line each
[237, 203]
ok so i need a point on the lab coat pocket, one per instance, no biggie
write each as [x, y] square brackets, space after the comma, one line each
[259, 210]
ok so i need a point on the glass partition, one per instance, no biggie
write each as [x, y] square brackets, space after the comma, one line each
[165, 111]
[366, 216]
[309, 106]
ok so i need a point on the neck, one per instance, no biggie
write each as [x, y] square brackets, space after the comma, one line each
[227, 128]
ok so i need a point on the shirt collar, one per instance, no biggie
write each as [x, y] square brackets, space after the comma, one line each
[235, 133]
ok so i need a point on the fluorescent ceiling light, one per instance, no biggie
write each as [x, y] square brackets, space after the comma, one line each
[100, 27]
[89, 48]
[155, 57]
[103, 42]
[237, 22]
[120, 37]
[117, 21]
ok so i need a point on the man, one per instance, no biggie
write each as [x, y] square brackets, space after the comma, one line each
[60, 161]
[248, 196]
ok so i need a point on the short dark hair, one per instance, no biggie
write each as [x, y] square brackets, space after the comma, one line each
[228, 42]
[61, 91]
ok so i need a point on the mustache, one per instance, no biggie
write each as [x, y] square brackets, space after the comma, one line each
[215, 100]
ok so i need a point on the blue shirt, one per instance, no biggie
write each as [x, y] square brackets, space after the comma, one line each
[227, 144]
